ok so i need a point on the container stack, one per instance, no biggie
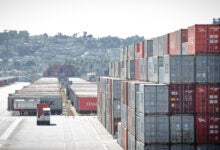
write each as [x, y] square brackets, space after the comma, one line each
[109, 103]
[170, 99]
[83, 95]
[44, 90]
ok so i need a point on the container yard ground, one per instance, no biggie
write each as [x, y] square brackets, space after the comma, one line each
[78, 133]
[64, 133]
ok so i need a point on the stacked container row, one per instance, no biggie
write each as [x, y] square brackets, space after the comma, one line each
[7, 80]
[44, 90]
[83, 95]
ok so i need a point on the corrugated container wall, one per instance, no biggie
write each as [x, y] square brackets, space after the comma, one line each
[182, 129]
[131, 142]
[137, 67]
[148, 48]
[131, 52]
[214, 68]
[141, 70]
[204, 39]
[201, 75]
[131, 69]
[175, 41]
[207, 98]
[207, 129]
[155, 46]
[163, 45]
[173, 69]
[153, 69]
[188, 69]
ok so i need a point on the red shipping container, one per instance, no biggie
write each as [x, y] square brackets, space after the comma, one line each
[137, 69]
[207, 98]
[175, 41]
[208, 129]
[175, 95]
[182, 99]
[124, 92]
[204, 39]
[124, 137]
[114, 124]
[87, 104]
[129, 119]
[137, 50]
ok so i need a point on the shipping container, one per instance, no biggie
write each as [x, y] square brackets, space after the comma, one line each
[116, 88]
[139, 50]
[208, 129]
[204, 39]
[114, 126]
[185, 48]
[207, 98]
[214, 68]
[161, 70]
[173, 69]
[131, 69]
[145, 73]
[116, 109]
[182, 129]
[137, 67]
[124, 115]
[124, 92]
[119, 133]
[208, 147]
[188, 69]
[155, 46]
[153, 69]
[131, 121]
[148, 48]
[142, 146]
[201, 68]
[182, 147]
[163, 46]
[153, 98]
[141, 70]
[124, 137]
[131, 142]
[181, 99]
[175, 41]
[131, 54]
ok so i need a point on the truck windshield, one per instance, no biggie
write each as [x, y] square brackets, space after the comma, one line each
[46, 113]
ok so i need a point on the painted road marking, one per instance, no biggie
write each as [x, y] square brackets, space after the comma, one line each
[10, 129]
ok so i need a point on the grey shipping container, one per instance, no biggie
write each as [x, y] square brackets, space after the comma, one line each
[184, 48]
[131, 52]
[201, 68]
[148, 48]
[133, 87]
[161, 69]
[147, 98]
[208, 147]
[182, 147]
[173, 69]
[116, 109]
[156, 147]
[163, 45]
[155, 46]
[155, 128]
[124, 115]
[188, 69]
[153, 69]
[119, 133]
[182, 129]
[131, 142]
[132, 121]
[214, 68]
[116, 89]
[141, 69]
[145, 78]
[153, 98]
[131, 69]
[140, 145]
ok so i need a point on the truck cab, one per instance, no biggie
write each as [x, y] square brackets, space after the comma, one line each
[43, 114]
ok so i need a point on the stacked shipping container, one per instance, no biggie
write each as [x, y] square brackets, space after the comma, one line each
[183, 111]
[7, 80]
[83, 95]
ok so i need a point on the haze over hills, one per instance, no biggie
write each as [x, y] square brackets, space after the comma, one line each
[28, 56]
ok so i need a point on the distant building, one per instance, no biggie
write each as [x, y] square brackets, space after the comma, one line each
[60, 71]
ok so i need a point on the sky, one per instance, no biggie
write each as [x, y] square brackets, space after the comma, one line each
[122, 18]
